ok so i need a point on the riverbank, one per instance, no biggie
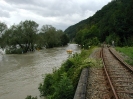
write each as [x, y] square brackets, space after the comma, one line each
[63, 81]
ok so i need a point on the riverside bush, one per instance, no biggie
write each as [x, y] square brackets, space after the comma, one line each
[14, 51]
[30, 97]
[62, 83]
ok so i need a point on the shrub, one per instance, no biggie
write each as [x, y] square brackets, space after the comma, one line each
[64, 89]
[46, 88]
[30, 97]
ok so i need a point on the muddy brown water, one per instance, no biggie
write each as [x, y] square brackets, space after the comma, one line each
[20, 75]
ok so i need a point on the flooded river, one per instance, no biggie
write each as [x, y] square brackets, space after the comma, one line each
[20, 75]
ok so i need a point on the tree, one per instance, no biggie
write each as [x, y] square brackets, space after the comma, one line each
[3, 28]
[64, 39]
[53, 37]
[49, 36]
[29, 31]
[23, 34]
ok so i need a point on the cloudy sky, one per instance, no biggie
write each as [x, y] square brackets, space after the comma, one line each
[58, 13]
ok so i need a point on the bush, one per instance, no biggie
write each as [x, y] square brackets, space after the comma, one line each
[64, 89]
[46, 88]
[30, 97]
[14, 51]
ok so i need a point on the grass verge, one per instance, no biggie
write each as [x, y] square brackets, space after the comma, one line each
[128, 51]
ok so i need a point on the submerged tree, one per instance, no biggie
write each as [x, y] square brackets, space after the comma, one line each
[3, 28]
[53, 37]
[23, 34]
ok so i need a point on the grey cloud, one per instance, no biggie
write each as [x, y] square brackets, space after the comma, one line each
[57, 7]
[4, 13]
[47, 8]
[19, 1]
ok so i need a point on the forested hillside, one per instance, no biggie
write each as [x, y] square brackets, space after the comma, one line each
[114, 22]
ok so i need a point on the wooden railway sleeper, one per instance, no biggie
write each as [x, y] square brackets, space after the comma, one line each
[127, 92]
[124, 81]
[120, 77]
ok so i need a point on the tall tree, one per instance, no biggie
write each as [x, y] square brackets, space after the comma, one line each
[3, 27]
[29, 31]
[23, 34]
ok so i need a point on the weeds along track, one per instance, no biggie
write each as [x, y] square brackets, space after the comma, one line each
[119, 75]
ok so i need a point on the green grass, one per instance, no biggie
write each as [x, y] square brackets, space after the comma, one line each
[128, 51]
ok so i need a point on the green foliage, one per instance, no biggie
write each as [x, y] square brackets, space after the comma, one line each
[23, 34]
[64, 39]
[114, 19]
[3, 28]
[87, 37]
[91, 42]
[128, 51]
[46, 88]
[30, 97]
[67, 65]
[52, 37]
[113, 37]
[14, 51]
[64, 89]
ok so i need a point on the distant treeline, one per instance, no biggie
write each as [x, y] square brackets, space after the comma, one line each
[114, 22]
[26, 37]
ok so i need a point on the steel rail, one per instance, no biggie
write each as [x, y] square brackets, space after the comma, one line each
[125, 64]
[108, 77]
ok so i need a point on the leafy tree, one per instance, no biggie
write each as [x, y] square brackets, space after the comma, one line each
[30, 97]
[3, 28]
[50, 37]
[23, 34]
[53, 37]
[29, 31]
[64, 89]
[40, 41]
[64, 39]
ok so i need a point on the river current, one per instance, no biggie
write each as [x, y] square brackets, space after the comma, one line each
[20, 75]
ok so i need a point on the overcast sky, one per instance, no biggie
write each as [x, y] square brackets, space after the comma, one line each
[58, 13]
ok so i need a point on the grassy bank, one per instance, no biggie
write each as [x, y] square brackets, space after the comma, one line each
[128, 51]
[62, 83]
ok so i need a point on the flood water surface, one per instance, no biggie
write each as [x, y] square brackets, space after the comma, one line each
[20, 75]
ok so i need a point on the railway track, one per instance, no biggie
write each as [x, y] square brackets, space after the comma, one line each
[119, 75]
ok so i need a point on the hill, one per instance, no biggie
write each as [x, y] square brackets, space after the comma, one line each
[114, 22]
